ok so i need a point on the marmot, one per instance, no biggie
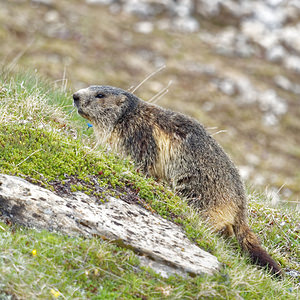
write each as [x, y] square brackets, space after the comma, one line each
[176, 148]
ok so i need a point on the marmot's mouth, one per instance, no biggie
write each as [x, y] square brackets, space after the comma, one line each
[76, 104]
[82, 113]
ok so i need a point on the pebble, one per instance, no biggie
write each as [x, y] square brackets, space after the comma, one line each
[283, 82]
[275, 54]
[186, 24]
[43, 2]
[272, 17]
[292, 62]
[51, 16]
[144, 27]
[269, 101]
[101, 2]
[227, 87]
[269, 119]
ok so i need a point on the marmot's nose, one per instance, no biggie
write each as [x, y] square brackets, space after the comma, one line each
[76, 98]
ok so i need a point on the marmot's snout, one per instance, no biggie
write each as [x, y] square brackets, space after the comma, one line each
[76, 99]
[77, 104]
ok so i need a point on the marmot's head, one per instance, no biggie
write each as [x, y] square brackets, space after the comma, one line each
[104, 105]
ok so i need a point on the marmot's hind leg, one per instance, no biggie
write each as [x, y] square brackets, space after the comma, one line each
[227, 231]
[222, 218]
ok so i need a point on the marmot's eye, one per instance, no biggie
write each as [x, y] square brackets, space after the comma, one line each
[100, 96]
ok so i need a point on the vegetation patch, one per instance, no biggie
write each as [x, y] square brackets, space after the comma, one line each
[43, 141]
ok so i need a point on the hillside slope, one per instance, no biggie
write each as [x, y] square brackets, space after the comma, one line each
[41, 139]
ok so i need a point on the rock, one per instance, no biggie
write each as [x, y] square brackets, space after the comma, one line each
[253, 29]
[296, 89]
[140, 9]
[186, 24]
[270, 102]
[43, 2]
[283, 82]
[243, 47]
[208, 8]
[247, 92]
[126, 224]
[227, 87]
[289, 35]
[183, 8]
[101, 2]
[286, 84]
[274, 2]
[52, 16]
[229, 42]
[269, 119]
[160, 268]
[292, 62]
[272, 17]
[275, 54]
[144, 27]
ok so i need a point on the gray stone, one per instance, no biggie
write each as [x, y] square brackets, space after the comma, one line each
[275, 54]
[140, 9]
[52, 16]
[292, 62]
[269, 101]
[101, 2]
[283, 82]
[126, 224]
[160, 268]
[269, 119]
[296, 89]
[144, 27]
[289, 35]
[186, 24]
[43, 2]
[227, 87]
[183, 8]
[272, 17]
[247, 92]
[274, 2]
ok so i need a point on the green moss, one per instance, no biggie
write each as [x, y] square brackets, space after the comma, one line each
[43, 155]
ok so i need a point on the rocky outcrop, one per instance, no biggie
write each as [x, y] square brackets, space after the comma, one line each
[128, 225]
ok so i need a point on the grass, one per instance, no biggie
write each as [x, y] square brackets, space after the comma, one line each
[42, 140]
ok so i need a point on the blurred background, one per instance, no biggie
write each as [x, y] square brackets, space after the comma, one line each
[233, 65]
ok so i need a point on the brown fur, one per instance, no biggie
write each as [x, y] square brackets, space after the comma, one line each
[175, 148]
[167, 147]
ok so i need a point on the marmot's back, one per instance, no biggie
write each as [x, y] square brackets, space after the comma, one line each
[193, 161]
[175, 148]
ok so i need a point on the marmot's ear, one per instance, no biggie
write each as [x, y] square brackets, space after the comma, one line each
[121, 99]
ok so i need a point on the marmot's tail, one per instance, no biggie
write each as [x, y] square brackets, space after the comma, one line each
[250, 244]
